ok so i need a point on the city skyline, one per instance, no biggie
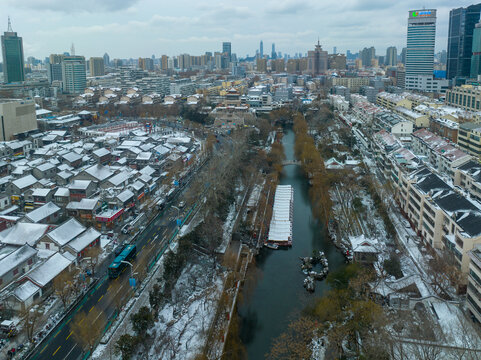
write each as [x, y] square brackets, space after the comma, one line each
[191, 27]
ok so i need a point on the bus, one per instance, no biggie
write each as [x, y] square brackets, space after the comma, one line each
[117, 266]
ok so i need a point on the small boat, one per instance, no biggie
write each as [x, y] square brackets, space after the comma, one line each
[271, 246]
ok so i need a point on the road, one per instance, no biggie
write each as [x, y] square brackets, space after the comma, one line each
[102, 299]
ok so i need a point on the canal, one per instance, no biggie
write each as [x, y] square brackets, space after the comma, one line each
[278, 295]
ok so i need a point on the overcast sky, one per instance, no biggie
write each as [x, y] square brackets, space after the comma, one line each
[140, 28]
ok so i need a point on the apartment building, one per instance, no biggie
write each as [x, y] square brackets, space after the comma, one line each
[467, 97]
[392, 101]
[442, 217]
[468, 177]
[393, 123]
[353, 83]
[473, 295]
[442, 156]
[469, 138]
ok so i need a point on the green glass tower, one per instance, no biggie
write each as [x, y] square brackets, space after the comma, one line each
[476, 49]
[12, 50]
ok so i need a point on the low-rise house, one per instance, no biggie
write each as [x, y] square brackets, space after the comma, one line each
[48, 214]
[102, 156]
[126, 199]
[81, 189]
[72, 159]
[62, 197]
[79, 245]
[41, 196]
[97, 173]
[60, 236]
[45, 171]
[16, 264]
[84, 209]
[23, 233]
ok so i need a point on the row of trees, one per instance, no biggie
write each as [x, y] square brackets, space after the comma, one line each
[313, 168]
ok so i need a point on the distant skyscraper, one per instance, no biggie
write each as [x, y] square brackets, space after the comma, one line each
[164, 62]
[391, 56]
[367, 55]
[261, 49]
[12, 50]
[54, 68]
[403, 56]
[273, 53]
[421, 37]
[227, 49]
[73, 74]
[476, 49]
[460, 40]
[334, 50]
[106, 59]
[97, 66]
[317, 60]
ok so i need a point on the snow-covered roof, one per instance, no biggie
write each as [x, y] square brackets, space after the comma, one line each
[72, 157]
[50, 269]
[120, 178]
[26, 291]
[101, 152]
[147, 170]
[41, 192]
[144, 156]
[66, 232]
[84, 204]
[84, 240]
[161, 150]
[23, 233]
[25, 182]
[16, 258]
[42, 212]
[79, 184]
[362, 244]
[99, 172]
[125, 195]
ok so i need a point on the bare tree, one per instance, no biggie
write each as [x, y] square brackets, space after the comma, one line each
[87, 328]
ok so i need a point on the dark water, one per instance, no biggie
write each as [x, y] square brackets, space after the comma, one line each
[278, 294]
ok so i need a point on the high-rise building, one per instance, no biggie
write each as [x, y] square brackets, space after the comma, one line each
[54, 68]
[403, 56]
[317, 60]
[164, 62]
[476, 50]
[460, 40]
[12, 50]
[337, 61]
[227, 49]
[367, 54]
[273, 53]
[106, 59]
[17, 117]
[391, 56]
[146, 64]
[334, 50]
[262, 65]
[73, 74]
[97, 66]
[421, 37]
[184, 61]
[261, 49]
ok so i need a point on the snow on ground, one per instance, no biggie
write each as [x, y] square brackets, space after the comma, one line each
[228, 227]
[183, 326]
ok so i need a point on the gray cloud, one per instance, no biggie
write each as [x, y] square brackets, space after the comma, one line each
[70, 6]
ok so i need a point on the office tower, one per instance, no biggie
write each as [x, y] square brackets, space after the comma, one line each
[334, 50]
[391, 56]
[476, 50]
[261, 49]
[54, 68]
[337, 61]
[460, 40]
[262, 65]
[227, 49]
[443, 57]
[367, 54]
[164, 62]
[12, 50]
[183, 61]
[97, 66]
[146, 64]
[403, 56]
[273, 53]
[73, 74]
[106, 59]
[421, 37]
[317, 60]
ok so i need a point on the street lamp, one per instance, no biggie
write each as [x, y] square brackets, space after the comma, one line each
[131, 268]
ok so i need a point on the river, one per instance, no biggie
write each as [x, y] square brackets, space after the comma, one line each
[278, 295]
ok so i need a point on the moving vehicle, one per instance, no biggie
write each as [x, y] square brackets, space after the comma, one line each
[117, 266]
